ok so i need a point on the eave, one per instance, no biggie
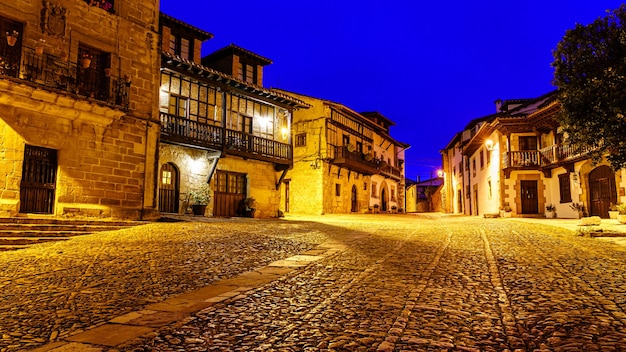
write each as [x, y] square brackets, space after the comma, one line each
[227, 82]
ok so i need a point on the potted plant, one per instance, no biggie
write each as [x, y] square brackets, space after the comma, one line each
[505, 210]
[247, 207]
[12, 37]
[39, 46]
[199, 199]
[550, 211]
[579, 208]
[621, 217]
[85, 60]
[394, 208]
[613, 212]
[376, 206]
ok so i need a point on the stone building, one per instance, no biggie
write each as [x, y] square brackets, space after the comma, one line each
[517, 162]
[219, 127]
[344, 162]
[78, 122]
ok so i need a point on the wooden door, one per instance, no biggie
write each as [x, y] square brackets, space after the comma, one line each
[169, 191]
[354, 207]
[528, 193]
[38, 185]
[602, 191]
[286, 196]
[230, 190]
[383, 199]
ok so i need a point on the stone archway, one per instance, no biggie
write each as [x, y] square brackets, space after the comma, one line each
[384, 197]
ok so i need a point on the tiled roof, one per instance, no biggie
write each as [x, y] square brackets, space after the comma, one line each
[203, 35]
[232, 48]
[204, 73]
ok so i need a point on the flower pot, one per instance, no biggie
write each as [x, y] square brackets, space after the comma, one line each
[613, 214]
[550, 215]
[198, 209]
[11, 40]
[86, 62]
[621, 218]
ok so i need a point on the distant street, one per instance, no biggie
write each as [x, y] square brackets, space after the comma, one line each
[336, 283]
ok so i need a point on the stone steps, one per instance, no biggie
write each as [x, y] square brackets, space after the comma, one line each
[21, 232]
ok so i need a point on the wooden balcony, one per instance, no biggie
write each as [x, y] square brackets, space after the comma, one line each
[544, 159]
[389, 171]
[355, 161]
[186, 132]
[54, 73]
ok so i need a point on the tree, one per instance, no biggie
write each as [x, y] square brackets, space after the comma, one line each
[590, 73]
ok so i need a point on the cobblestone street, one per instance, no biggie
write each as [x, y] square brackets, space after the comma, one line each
[334, 283]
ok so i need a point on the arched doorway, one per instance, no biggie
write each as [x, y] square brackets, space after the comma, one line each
[602, 191]
[383, 199]
[169, 191]
[354, 208]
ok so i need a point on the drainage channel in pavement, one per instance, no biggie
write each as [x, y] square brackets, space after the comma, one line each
[180, 307]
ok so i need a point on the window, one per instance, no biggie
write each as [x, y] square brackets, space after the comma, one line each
[393, 194]
[90, 76]
[454, 171]
[301, 140]
[374, 193]
[233, 183]
[202, 103]
[474, 167]
[460, 168]
[527, 143]
[482, 159]
[488, 157]
[166, 177]
[564, 188]
[177, 106]
[365, 186]
[337, 189]
[181, 46]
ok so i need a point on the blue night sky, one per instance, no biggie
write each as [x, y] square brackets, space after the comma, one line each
[429, 66]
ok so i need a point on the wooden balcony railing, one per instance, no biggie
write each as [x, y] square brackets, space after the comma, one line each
[355, 160]
[540, 158]
[53, 72]
[187, 132]
[390, 171]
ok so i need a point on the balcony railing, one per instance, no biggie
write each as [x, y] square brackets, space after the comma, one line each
[390, 171]
[355, 160]
[187, 132]
[52, 72]
[540, 158]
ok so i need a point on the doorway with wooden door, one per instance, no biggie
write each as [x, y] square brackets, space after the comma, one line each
[169, 190]
[38, 185]
[528, 195]
[602, 191]
[230, 190]
[354, 204]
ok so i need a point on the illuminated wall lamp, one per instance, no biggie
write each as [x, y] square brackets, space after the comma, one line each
[489, 144]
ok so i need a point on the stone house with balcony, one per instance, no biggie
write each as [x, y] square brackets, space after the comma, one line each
[78, 83]
[219, 126]
[344, 161]
[516, 160]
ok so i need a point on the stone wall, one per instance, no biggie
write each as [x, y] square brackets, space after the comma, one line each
[106, 156]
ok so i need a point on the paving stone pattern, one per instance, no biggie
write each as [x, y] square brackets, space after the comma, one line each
[400, 283]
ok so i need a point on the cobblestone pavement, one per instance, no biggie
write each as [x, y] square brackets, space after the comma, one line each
[399, 283]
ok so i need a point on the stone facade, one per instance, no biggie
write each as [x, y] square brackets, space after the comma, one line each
[104, 141]
[338, 169]
[219, 126]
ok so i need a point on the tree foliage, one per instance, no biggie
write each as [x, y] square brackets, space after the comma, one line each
[590, 73]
